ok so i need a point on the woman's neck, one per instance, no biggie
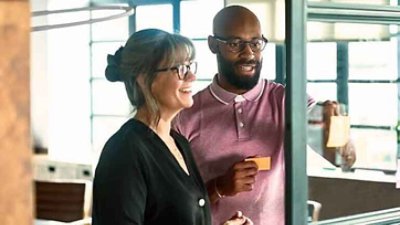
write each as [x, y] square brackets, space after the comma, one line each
[162, 128]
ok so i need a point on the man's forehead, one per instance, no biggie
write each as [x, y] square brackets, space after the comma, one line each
[237, 25]
[240, 30]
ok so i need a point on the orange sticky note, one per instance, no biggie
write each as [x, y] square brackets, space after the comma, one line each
[339, 131]
[263, 163]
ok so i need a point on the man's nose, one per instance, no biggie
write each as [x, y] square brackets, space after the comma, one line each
[247, 52]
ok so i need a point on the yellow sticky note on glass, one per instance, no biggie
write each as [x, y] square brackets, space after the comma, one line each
[339, 131]
[263, 163]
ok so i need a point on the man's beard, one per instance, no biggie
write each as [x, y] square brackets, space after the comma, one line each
[226, 69]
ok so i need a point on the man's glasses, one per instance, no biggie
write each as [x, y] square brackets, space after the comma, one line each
[182, 70]
[237, 45]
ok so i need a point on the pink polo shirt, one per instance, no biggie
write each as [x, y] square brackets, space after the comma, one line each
[224, 128]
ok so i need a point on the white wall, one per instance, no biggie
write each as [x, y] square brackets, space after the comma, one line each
[60, 63]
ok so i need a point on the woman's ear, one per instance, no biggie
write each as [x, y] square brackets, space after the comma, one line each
[213, 45]
[140, 81]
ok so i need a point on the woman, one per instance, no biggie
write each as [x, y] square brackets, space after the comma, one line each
[146, 173]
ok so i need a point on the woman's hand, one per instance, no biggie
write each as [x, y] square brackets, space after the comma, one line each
[238, 219]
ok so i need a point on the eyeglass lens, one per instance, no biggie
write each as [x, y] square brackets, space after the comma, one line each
[183, 70]
[255, 45]
[237, 45]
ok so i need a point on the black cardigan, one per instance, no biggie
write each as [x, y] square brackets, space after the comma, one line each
[138, 181]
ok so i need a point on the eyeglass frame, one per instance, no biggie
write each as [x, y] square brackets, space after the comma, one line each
[177, 69]
[242, 42]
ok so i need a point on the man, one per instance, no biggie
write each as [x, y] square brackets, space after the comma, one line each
[319, 132]
[236, 117]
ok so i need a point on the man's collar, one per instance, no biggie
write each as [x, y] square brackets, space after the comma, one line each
[226, 97]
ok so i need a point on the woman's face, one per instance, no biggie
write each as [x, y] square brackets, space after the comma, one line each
[172, 93]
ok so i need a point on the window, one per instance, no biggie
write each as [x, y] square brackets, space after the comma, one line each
[110, 106]
[199, 30]
[145, 17]
[371, 89]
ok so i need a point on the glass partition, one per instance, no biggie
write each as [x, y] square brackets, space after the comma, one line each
[355, 83]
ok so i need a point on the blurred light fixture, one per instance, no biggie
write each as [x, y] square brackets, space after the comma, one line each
[126, 11]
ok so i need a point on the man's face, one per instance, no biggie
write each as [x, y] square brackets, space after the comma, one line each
[240, 67]
[240, 73]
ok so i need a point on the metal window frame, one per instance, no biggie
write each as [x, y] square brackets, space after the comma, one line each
[296, 185]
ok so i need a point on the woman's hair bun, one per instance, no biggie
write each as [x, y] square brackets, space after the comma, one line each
[113, 62]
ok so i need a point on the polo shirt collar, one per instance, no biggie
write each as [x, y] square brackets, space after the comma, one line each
[226, 97]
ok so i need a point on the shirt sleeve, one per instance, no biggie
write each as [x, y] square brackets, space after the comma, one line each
[181, 123]
[310, 102]
[176, 125]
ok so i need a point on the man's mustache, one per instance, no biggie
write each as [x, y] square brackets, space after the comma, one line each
[257, 63]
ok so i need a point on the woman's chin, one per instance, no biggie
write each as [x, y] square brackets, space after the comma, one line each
[188, 104]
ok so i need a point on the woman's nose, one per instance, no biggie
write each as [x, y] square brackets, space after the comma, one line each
[190, 76]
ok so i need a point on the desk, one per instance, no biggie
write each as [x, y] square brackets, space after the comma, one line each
[387, 216]
[86, 221]
[46, 168]
[344, 194]
[358, 174]
[317, 166]
[348, 193]
[47, 222]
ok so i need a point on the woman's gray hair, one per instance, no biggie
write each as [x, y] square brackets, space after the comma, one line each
[144, 52]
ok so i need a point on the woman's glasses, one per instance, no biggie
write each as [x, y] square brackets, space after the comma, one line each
[182, 70]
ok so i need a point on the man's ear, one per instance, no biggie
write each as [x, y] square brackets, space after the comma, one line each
[213, 45]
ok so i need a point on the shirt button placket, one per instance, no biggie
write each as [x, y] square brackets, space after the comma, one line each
[202, 202]
[239, 114]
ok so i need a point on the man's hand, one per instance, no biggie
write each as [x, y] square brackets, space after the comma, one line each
[240, 177]
[348, 154]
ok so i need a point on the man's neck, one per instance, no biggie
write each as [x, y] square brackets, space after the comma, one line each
[229, 87]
